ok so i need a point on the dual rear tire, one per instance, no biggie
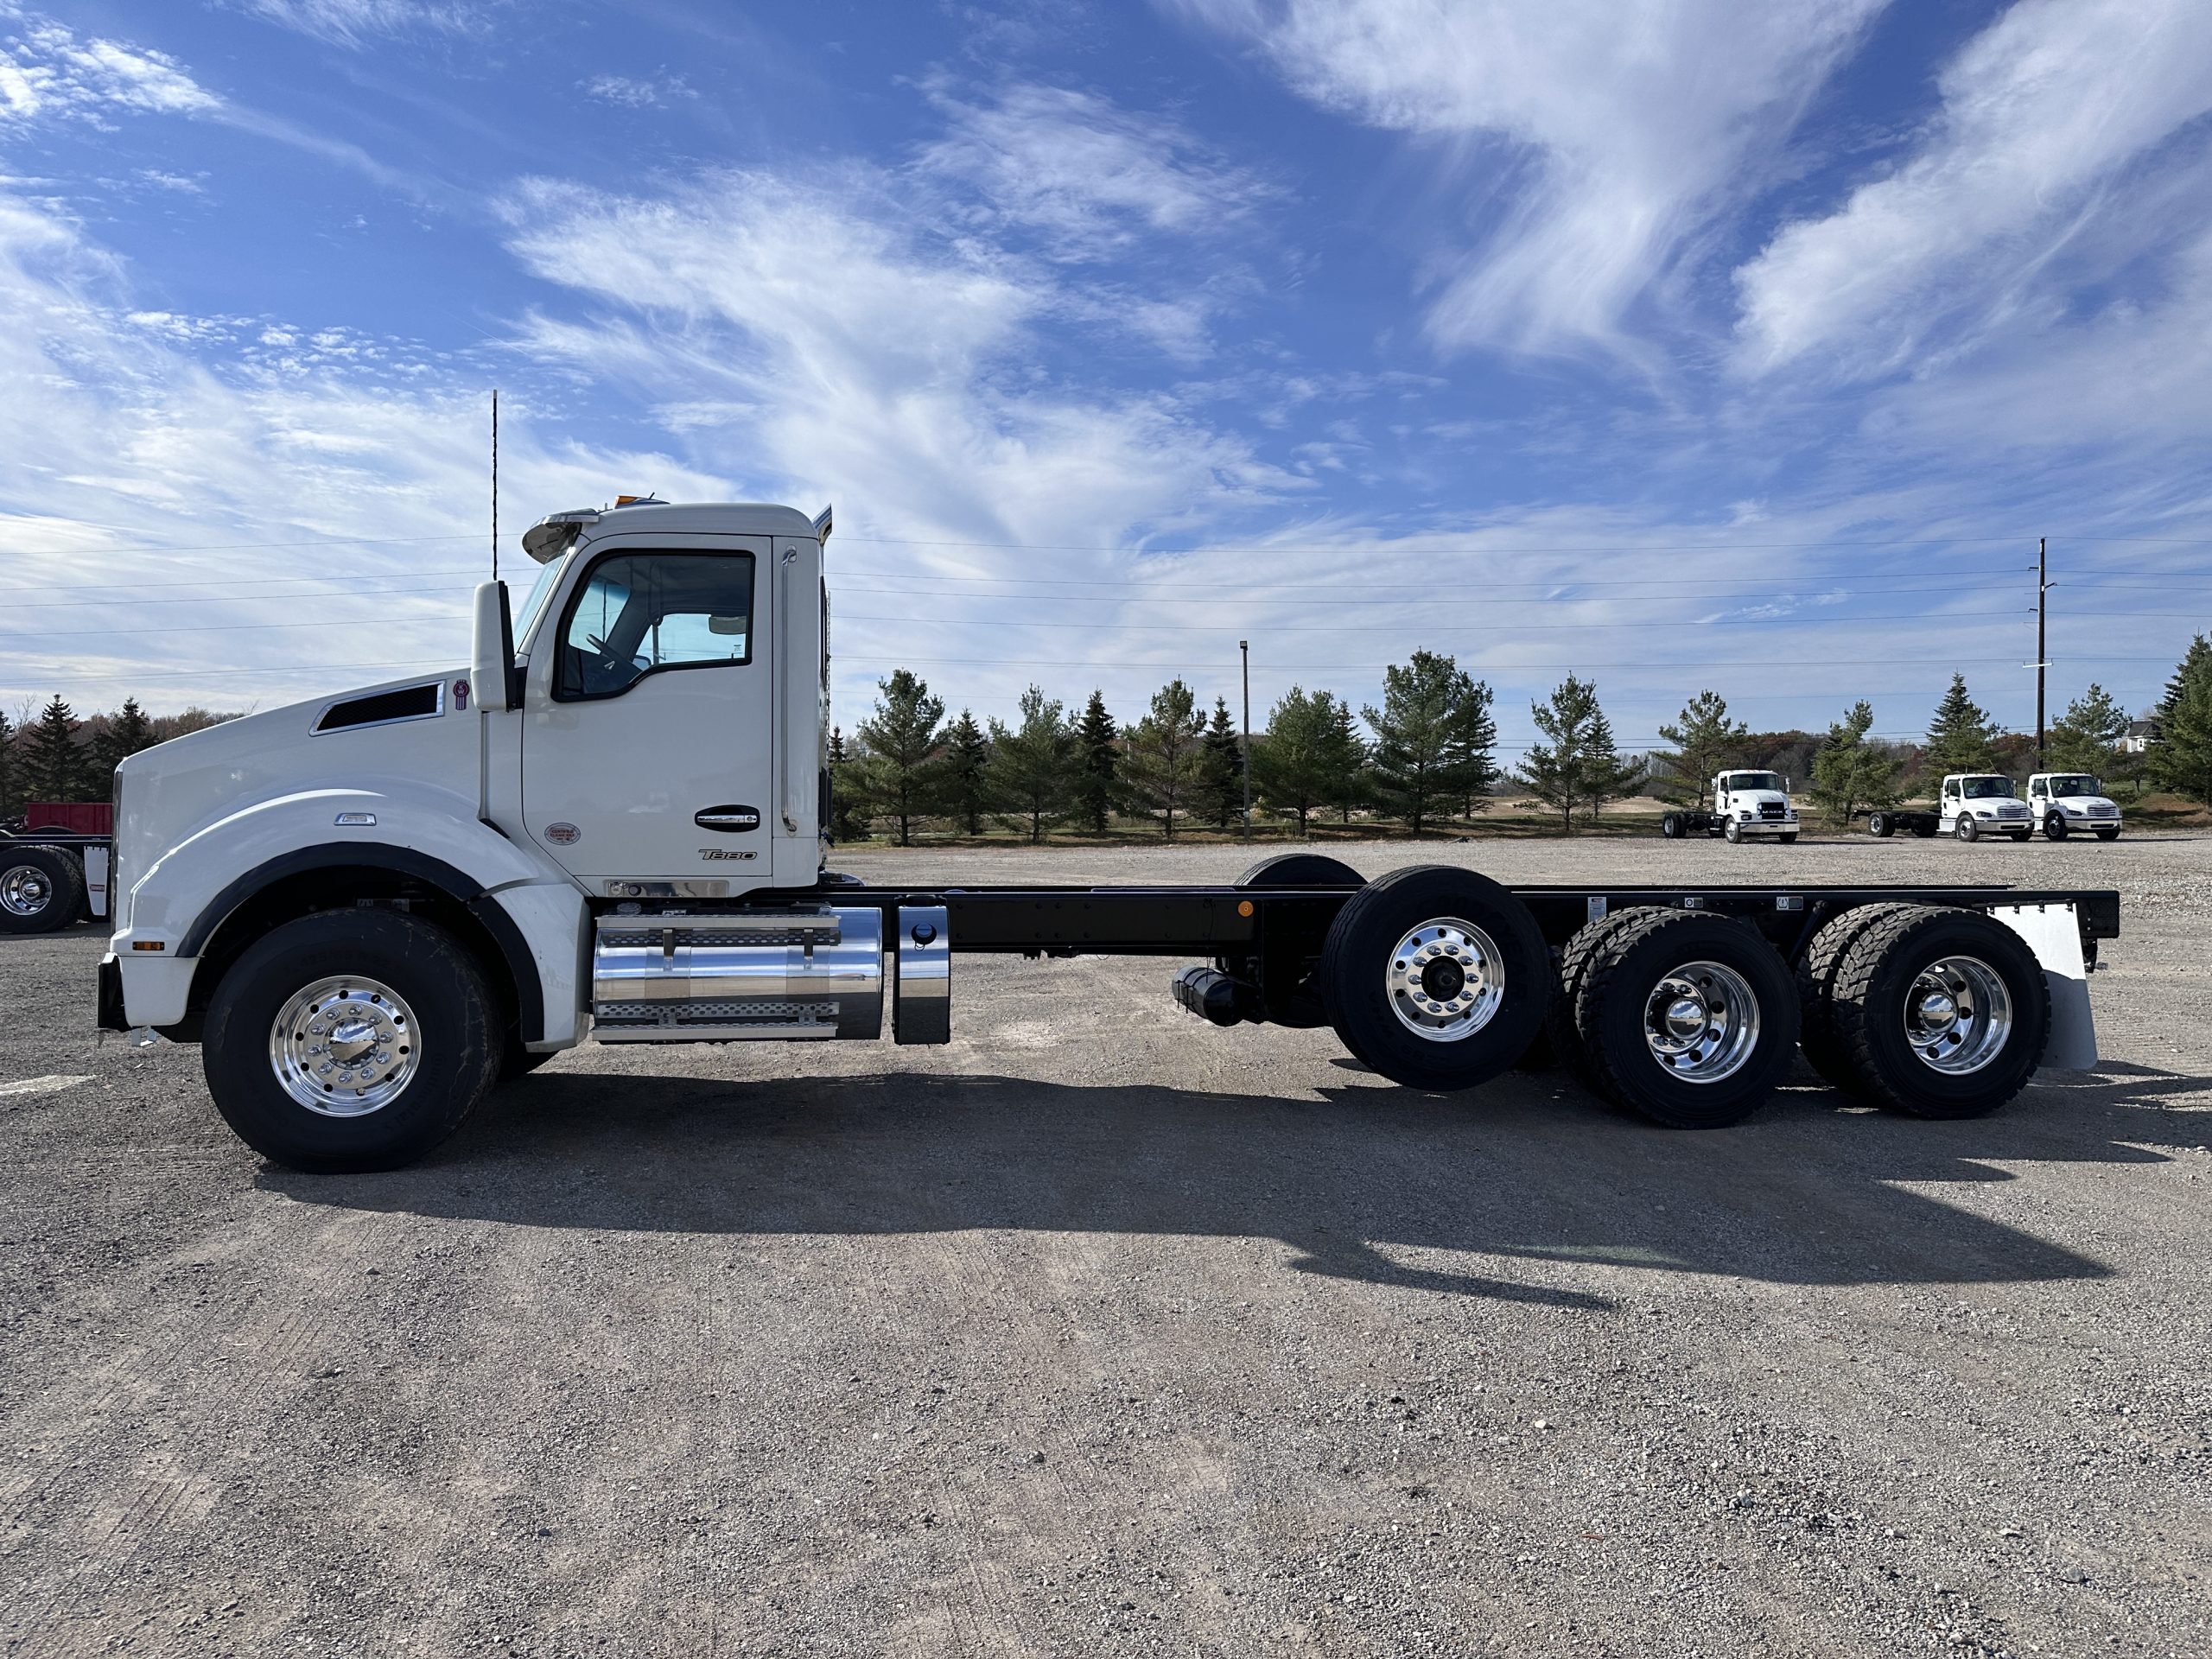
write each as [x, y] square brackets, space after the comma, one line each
[41, 888]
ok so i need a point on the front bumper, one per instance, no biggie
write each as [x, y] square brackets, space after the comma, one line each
[1765, 826]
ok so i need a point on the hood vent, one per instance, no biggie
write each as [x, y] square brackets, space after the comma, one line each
[413, 703]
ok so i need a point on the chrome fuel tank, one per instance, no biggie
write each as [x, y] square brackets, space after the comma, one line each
[800, 973]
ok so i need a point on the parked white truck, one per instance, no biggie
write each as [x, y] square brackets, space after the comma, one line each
[2068, 802]
[1746, 806]
[1972, 804]
[368, 908]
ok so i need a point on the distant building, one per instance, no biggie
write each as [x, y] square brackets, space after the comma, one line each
[2140, 735]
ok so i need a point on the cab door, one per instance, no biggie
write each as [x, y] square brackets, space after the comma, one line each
[1947, 816]
[649, 747]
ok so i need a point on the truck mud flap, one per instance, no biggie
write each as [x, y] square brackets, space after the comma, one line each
[2055, 935]
[111, 1017]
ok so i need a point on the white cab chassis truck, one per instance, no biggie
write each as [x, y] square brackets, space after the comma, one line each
[369, 909]
[1972, 805]
[2070, 803]
[1746, 806]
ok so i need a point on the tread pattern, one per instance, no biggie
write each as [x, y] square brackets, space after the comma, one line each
[1870, 952]
[1816, 1031]
[1583, 948]
[1604, 959]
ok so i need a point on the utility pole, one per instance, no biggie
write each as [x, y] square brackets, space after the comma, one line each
[1244, 651]
[495, 483]
[2043, 656]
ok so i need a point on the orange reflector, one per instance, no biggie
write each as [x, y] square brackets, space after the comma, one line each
[1243, 906]
[148, 944]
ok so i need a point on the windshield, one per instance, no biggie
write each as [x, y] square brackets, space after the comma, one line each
[1752, 780]
[1986, 789]
[2074, 787]
[548, 574]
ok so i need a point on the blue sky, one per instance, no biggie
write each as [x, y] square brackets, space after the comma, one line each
[1747, 345]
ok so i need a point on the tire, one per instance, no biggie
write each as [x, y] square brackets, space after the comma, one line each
[1364, 992]
[2020, 836]
[2112, 834]
[1965, 829]
[1586, 945]
[1733, 832]
[1301, 870]
[1788, 838]
[2054, 826]
[1817, 1039]
[1671, 826]
[1875, 984]
[42, 889]
[1738, 987]
[415, 969]
[1881, 824]
[517, 1063]
[1925, 829]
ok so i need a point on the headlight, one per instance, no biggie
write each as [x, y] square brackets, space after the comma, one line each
[1744, 813]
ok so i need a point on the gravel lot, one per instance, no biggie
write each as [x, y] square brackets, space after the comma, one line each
[1101, 1331]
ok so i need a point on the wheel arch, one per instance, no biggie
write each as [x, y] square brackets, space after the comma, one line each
[348, 874]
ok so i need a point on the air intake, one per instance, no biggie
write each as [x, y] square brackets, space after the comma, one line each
[410, 703]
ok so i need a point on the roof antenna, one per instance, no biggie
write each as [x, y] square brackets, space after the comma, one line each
[495, 483]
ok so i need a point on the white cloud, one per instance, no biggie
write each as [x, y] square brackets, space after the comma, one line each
[2040, 113]
[636, 94]
[1610, 135]
[1090, 177]
[866, 355]
[348, 22]
[48, 72]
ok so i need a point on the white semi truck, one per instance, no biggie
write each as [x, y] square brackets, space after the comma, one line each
[2070, 803]
[1746, 806]
[1971, 804]
[369, 908]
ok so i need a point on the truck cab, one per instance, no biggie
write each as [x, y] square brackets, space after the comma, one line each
[1977, 804]
[2063, 803]
[1754, 803]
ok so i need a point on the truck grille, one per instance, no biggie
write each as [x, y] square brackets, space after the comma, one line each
[1771, 810]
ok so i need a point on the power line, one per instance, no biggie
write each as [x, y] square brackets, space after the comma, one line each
[1646, 624]
[1340, 548]
[225, 599]
[224, 582]
[237, 546]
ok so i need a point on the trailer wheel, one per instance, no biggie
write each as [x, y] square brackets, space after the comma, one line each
[1690, 1019]
[1817, 1038]
[42, 889]
[1941, 1013]
[1670, 825]
[351, 1039]
[1881, 824]
[1435, 977]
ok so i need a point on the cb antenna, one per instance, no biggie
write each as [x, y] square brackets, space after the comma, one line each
[495, 483]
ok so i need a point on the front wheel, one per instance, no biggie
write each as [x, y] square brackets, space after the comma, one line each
[1435, 977]
[1733, 832]
[1788, 838]
[1966, 830]
[348, 1040]
[2054, 826]
[2112, 834]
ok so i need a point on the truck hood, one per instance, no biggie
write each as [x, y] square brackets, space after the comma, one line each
[170, 793]
[2084, 803]
[1743, 797]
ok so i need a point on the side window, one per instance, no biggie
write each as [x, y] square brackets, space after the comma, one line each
[638, 613]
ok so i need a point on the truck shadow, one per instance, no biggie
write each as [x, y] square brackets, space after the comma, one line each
[1378, 1184]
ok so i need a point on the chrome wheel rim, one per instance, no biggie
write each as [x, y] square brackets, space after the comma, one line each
[1446, 979]
[1701, 1022]
[1958, 1015]
[344, 1047]
[25, 890]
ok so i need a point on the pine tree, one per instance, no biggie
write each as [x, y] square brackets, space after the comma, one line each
[1165, 754]
[54, 768]
[1850, 775]
[1706, 742]
[1098, 780]
[1035, 765]
[1355, 784]
[1434, 739]
[903, 737]
[8, 800]
[849, 816]
[1220, 799]
[124, 732]
[2086, 738]
[2182, 759]
[1961, 737]
[964, 780]
[1581, 764]
[1300, 764]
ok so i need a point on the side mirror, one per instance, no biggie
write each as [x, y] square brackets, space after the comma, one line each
[491, 654]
